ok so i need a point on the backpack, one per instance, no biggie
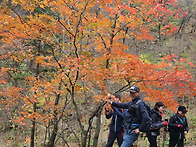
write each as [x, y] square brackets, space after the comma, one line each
[134, 110]
[146, 106]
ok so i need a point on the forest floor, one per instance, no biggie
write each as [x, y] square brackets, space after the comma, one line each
[15, 139]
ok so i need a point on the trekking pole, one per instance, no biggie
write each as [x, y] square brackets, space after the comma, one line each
[164, 133]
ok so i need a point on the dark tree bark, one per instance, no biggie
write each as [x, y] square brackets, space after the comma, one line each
[97, 131]
[35, 104]
[55, 121]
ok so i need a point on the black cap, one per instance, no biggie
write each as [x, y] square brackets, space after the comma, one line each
[134, 89]
[182, 108]
[159, 104]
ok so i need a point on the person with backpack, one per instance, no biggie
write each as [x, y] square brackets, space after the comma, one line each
[116, 125]
[156, 124]
[136, 118]
[178, 127]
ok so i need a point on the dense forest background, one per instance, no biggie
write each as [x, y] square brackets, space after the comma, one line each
[58, 59]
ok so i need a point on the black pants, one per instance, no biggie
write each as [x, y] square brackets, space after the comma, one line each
[174, 141]
[113, 136]
[152, 140]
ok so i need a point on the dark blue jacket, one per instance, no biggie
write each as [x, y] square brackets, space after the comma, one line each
[176, 132]
[156, 122]
[133, 121]
[116, 124]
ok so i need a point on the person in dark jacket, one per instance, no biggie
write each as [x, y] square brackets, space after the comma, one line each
[116, 125]
[178, 127]
[133, 123]
[157, 123]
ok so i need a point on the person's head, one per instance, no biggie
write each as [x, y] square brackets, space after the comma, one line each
[117, 97]
[134, 91]
[159, 106]
[182, 111]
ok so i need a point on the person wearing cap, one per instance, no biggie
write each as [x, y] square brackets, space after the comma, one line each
[178, 127]
[133, 123]
[157, 123]
[116, 125]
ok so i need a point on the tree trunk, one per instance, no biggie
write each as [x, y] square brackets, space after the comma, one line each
[56, 121]
[53, 135]
[35, 104]
[84, 139]
[97, 131]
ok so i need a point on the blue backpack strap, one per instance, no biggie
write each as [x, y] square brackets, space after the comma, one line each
[182, 120]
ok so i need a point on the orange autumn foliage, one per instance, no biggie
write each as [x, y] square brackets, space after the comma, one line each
[76, 39]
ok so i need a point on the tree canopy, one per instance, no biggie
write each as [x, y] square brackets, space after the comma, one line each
[57, 53]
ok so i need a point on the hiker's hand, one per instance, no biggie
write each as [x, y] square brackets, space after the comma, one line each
[185, 132]
[180, 126]
[137, 131]
[164, 123]
[108, 96]
[105, 99]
